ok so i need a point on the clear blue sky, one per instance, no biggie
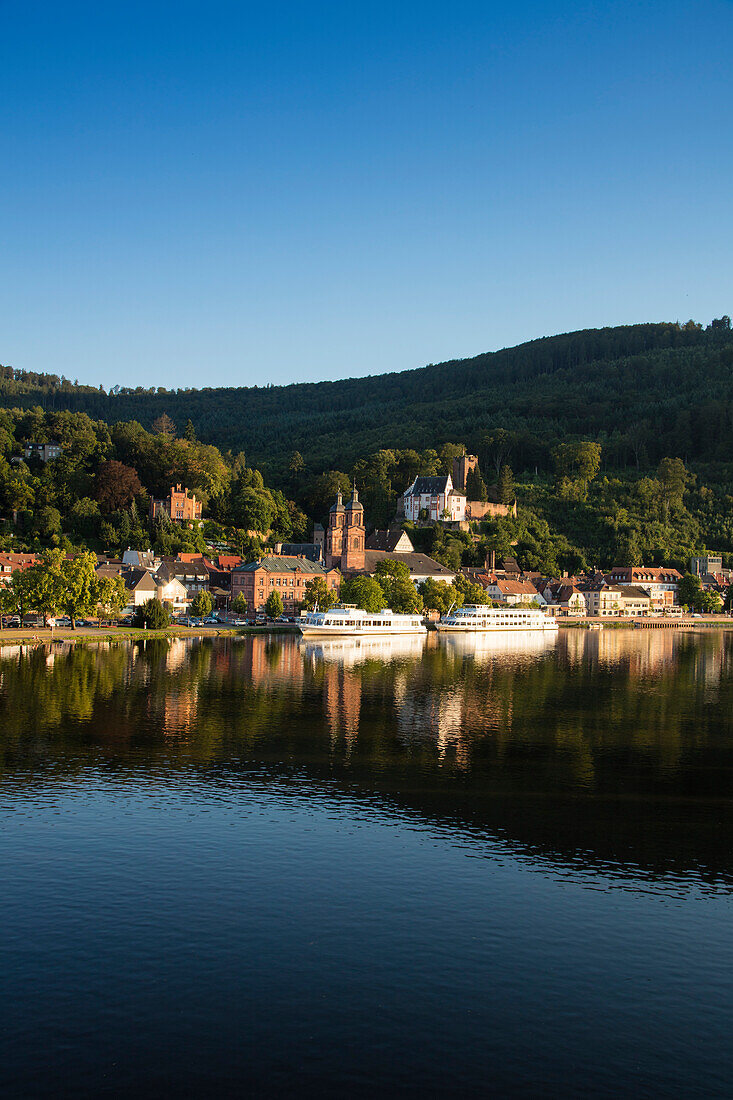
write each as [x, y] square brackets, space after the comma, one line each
[228, 193]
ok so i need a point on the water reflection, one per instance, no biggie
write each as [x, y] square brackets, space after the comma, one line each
[353, 651]
[502, 643]
[613, 748]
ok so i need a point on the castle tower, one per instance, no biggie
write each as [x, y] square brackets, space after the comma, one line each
[461, 469]
[352, 558]
[335, 533]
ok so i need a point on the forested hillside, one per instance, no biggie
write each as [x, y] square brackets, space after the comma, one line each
[642, 391]
[618, 444]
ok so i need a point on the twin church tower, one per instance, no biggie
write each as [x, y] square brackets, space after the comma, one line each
[345, 535]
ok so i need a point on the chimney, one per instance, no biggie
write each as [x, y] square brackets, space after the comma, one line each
[278, 548]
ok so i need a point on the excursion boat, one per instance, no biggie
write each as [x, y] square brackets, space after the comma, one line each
[476, 618]
[350, 621]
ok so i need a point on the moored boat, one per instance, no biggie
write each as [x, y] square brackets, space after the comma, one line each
[477, 618]
[350, 621]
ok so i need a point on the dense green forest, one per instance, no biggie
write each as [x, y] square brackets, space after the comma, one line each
[617, 442]
[643, 391]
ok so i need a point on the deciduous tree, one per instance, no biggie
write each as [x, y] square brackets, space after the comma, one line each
[364, 592]
[318, 593]
[396, 584]
[152, 614]
[202, 604]
[117, 485]
[274, 605]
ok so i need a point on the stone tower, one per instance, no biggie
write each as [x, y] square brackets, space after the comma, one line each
[352, 558]
[346, 535]
[461, 468]
[336, 533]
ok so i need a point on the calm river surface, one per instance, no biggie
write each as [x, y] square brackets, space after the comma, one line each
[253, 865]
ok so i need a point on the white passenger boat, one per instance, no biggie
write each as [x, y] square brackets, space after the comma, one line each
[477, 618]
[351, 622]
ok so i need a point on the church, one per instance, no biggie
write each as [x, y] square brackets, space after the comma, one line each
[346, 548]
[346, 535]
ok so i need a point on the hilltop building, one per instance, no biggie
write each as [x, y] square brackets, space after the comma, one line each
[461, 469]
[47, 452]
[181, 505]
[434, 498]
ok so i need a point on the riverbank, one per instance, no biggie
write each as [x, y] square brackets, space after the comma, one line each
[719, 622]
[9, 636]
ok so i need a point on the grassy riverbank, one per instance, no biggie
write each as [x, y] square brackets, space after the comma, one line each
[106, 634]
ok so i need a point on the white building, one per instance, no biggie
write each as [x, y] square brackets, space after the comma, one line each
[436, 498]
[660, 582]
[172, 593]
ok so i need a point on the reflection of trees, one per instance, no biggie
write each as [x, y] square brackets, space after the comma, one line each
[594, 741]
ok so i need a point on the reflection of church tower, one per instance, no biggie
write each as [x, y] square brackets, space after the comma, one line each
[342, 703]
[345, 535]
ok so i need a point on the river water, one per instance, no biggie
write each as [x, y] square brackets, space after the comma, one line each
[253, 865]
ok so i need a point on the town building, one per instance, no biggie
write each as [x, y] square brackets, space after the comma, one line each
[564, 600]
[180, 505]
[277, 573]
[141, 586]
[635, 601]
[193, 575]
[311, 550]
[660, 582]
[394, 540]
[173, 594]
[141, 559]
[616, 600]
[706, 563]
[11, 563]
[346, 535]
[601, 600]
[420, 566]
[396, 545]
[319, 538]
[510, 591]
[109, 568]
[435, 499]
